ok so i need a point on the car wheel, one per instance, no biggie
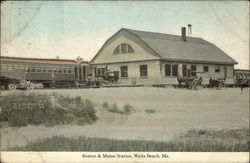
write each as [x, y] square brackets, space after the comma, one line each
[12, 87]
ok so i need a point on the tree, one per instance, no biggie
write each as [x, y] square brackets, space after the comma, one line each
[79, 59]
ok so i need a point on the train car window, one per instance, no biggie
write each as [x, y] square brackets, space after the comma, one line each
[38, 68]
[59, 71]
[3, 66]
[69, 70]
[28, 68]
[64, 70]
[44, 68]
[22, 67]
[16, 66]
[10, 67]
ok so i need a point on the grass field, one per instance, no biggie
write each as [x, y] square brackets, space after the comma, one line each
[193, 140]
[156, 114]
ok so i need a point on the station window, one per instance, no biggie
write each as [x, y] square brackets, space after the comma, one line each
[205, 69]
[124, 71]
[174, 70]
[217, 69]
[168, 70]
[184, 70]
[143, 70]
[101, 71]
[193, 70]
[123, 49]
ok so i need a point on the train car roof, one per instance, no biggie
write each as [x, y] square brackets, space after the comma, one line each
[41, 60]
[242, 71]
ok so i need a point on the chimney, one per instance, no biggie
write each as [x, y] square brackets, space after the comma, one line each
[183, 33]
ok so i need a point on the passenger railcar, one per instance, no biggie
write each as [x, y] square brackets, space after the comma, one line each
[242, 77]
[50, 72]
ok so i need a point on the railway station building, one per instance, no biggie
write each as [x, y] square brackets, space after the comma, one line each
[148, 58]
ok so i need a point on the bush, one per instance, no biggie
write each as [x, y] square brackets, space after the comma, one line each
[115, 109]
[127, 109]
[105, 105]
[23, 109]
[149, 111]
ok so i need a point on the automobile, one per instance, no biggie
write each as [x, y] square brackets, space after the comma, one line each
[38, 86]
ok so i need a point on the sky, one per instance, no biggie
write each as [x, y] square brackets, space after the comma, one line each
[47, 29]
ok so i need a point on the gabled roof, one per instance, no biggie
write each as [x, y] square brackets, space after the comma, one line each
[173, 48]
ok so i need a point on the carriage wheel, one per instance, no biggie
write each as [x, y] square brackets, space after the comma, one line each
[12, 87]
[194, 85]
[30, 87]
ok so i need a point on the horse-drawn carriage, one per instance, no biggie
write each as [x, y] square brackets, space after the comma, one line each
[189, 82]
[196, 82]
[216, 83]
[107, 79]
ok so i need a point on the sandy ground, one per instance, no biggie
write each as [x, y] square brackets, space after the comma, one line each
[176, 111]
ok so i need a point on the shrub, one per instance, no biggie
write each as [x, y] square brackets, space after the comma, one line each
[115, 109]
[149, 111]
[105, 105]
[127, 109]
[23, 109]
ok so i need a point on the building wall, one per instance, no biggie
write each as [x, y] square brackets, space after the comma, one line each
[107, 56]
[200, 73]
[134, 78]
[156, 72]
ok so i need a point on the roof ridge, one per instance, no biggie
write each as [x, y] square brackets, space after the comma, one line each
[54, 59]
[201, 40]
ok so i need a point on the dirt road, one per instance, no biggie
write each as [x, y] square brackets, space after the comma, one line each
[176, 111]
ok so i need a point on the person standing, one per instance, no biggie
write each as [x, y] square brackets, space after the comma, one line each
[241, 88]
